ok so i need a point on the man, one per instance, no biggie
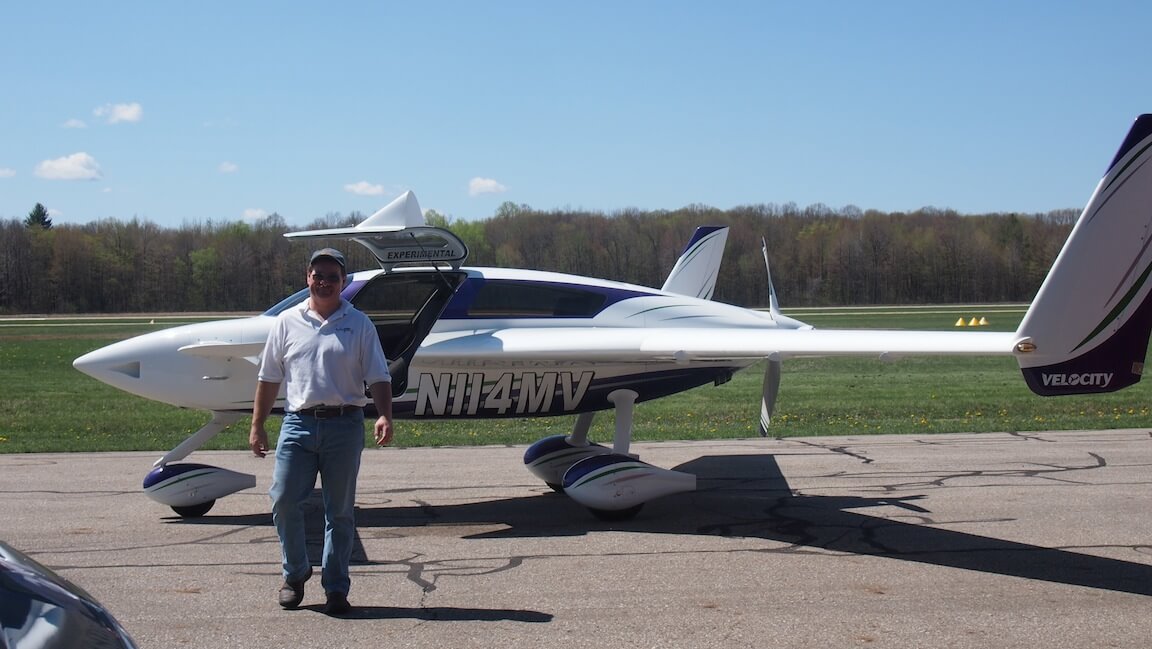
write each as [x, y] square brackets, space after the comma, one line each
[324, 351]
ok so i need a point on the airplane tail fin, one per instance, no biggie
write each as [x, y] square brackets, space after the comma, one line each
[1087, 330]
[698, 267]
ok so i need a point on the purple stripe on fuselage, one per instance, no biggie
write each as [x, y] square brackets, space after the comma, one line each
[352, 289]
[167, 471]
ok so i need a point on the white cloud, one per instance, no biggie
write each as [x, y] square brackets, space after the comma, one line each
[6, 172]
[478, 186]
[116, 113]
[255, 214]
[78, 166]
[74, 123]
[228, 167]
[364, 188]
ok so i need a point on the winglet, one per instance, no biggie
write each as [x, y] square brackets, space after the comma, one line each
[698, 267]
[403, 212]
[397, 234]
[1087, 330]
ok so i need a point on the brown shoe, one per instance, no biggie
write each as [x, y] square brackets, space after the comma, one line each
[292, 592]
[337, 604]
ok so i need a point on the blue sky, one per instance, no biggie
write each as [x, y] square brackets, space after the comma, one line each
[221, 111]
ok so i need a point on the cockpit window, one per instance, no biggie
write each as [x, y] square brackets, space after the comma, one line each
[404, 307]
[399, 297]
[497, 299]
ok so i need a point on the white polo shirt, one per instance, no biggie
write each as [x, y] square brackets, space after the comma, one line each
[323, 362]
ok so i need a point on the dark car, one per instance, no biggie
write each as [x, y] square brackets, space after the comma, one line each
[41, 609]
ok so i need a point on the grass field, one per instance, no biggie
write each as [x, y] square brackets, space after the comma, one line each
[46, 406]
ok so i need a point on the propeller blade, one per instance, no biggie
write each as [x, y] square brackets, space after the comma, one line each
[772, 370]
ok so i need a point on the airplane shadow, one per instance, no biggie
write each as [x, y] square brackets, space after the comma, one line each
[747, 496]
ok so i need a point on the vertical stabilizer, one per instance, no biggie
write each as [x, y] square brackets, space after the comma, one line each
[698, 267]
[1087, 330]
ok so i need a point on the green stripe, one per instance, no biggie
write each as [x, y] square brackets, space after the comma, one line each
[186, 476]
[695, 250]
[1131, 162]
[605, 475]
[658, 308]
[1115, 313]
[564, 457]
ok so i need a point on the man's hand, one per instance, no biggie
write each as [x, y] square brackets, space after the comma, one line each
[261, 404]
[258, 440]
[383, 432]
[381, 392]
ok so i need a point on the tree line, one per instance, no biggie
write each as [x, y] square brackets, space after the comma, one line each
[819, 256]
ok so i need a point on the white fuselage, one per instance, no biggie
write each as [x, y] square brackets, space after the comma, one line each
[475, 362]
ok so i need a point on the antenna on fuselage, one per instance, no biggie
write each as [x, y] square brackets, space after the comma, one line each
[773, 304]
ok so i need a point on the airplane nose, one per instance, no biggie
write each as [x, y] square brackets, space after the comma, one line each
[191, 366]
[107, 364]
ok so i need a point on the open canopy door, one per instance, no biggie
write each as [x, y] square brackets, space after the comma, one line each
[397, 234]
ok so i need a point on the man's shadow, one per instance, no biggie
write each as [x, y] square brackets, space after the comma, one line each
[440, 614]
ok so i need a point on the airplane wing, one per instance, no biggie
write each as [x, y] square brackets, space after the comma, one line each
[711, 344]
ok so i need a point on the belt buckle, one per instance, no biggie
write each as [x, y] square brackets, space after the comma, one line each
[328, 412]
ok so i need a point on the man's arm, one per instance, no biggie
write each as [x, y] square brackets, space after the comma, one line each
[262, 405]
[381, 392]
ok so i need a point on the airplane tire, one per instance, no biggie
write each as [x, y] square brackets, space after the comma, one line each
[558, 488]
[193, 511]
[612, 515]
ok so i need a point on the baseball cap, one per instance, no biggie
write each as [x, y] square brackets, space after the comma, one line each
[330, 253]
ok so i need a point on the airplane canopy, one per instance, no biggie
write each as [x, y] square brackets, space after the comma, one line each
[398, 234]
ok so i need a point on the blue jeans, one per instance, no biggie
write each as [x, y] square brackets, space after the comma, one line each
[331, 448]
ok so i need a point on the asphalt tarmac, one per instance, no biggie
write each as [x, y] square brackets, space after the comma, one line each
[990, 540]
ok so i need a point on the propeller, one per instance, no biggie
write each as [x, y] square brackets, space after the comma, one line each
[772, 367]
[768, 399]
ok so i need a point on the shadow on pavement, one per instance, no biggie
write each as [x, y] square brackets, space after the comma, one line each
[742, 496]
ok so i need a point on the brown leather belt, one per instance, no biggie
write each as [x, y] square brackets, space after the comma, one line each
[328, 412]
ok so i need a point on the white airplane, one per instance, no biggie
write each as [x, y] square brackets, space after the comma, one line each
[491, 342]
